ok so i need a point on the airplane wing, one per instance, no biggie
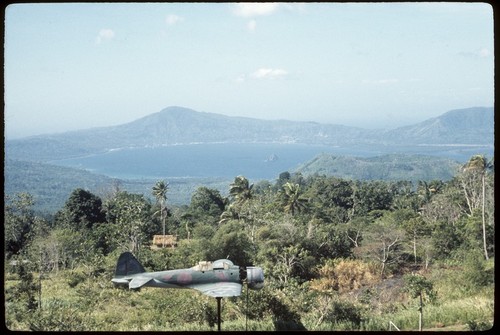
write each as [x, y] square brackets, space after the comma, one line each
[221, 289]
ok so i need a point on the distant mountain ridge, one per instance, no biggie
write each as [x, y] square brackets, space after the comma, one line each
[461, 126]
[178, 125]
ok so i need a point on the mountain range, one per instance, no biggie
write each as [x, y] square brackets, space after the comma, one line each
[177, 125]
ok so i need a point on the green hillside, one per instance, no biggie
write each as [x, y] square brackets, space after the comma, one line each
[387, 167]
[50, 184]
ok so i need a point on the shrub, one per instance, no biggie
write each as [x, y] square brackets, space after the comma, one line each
[342, 313]
[478, 326]
[344, 275]
[75, 278]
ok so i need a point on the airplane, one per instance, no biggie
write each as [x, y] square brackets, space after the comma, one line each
[217, 279]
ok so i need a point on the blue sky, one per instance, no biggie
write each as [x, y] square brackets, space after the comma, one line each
[373, 65]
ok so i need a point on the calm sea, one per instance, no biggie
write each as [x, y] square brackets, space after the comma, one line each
[252, 160]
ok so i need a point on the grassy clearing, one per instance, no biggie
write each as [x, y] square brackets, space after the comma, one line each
[96, 305]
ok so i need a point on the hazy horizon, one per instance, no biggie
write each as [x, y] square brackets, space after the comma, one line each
[73, 66]
[125, 122]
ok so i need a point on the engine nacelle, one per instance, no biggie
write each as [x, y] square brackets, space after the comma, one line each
[255, 277]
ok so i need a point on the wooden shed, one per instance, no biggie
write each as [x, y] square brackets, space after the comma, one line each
[164, 240]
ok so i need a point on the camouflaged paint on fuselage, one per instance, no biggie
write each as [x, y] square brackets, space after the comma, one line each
[184, 278]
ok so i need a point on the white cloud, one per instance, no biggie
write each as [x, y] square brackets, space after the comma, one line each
[481, 53]
[484, 52]
[380, 81]
[267, 73]
[262, 74]
[252, 9]
[241, 79]
[105, 34]
[172, 19]
[251, 25]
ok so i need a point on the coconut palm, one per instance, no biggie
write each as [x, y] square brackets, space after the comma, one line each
[426, 190]
[229, 214]
[292, 199]
[479, 164]
[241, 190]
[160, 193]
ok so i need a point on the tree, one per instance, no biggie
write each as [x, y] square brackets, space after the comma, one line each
[82, 210]
[21, 298]
[446, 206]
[372, 195]
[160, 193]
[477, 167]
[61, 248]
[446, 238]
[292, 200]
[231, 242]
[331, 199]
[287, 260]
[354, 228]
[426, 190]
[403, 196]
[382, 242]
[229, 214]
[131, 216]
[241, 190]
[207, 202]
[330, 241]
[416, 228]
[417, 286]
[241, 209]
[18, 220]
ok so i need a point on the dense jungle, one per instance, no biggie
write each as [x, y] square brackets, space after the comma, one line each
[337, 254]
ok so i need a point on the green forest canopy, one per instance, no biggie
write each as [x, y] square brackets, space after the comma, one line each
[321, 241]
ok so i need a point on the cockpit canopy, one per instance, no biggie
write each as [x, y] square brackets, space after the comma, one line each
[220, 264]
[223, 264]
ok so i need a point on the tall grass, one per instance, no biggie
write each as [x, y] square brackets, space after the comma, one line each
[101, 307]
[435, 316]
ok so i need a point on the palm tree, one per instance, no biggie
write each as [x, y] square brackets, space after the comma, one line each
[293, 201]
[160, 193]
[241, 190]
[427, 190]
[479, 164]
[229, 214]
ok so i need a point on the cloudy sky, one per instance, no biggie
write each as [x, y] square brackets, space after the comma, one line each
[373, 65]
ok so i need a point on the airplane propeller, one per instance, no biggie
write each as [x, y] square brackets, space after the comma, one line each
[254, 278]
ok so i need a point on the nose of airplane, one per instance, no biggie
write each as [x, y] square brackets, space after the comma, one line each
[255, 277]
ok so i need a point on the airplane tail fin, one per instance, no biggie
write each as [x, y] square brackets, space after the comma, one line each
[128, 265]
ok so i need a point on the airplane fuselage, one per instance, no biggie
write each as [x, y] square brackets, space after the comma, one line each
[184, 278]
